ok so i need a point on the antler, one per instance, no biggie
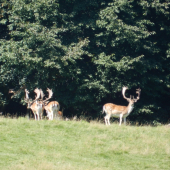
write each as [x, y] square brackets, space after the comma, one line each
[42, 94]
[38, 92]
[123, 92]
[138, 91]
[27, 99]
[50, 94]
[26, 96]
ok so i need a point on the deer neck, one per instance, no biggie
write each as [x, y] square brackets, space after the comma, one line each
[130, 107]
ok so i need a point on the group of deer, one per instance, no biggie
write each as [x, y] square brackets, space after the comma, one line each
[38, 105]
[52, 108]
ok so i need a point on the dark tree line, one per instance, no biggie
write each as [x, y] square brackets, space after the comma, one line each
[86, 51]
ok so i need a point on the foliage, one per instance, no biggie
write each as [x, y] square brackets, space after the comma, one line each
[86, 51]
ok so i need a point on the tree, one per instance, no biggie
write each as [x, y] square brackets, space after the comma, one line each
[86, 51]
[130, 36]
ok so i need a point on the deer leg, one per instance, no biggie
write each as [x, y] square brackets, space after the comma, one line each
[52, 115]
[38, 116]
[47, 113]
[124, 120]
[41, 114]
[49, 116]
[106, 120]
[35, 116]
[121, 115]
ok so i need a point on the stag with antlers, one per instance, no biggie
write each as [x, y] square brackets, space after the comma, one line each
[120, 111]
[35, 105]
[52, 107]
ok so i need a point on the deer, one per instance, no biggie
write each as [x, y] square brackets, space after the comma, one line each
[35, 105]
[52, 108]
[120, 111]
[59, 114]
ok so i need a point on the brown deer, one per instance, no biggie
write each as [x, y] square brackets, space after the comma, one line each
[52, 107]
[35, 105]
[120, 111]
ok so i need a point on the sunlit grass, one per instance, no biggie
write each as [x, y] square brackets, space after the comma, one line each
[47, 145]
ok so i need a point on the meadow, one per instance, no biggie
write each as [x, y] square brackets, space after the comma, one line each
[73, 145]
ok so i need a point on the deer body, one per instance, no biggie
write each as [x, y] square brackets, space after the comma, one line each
[35, 105]
[52, 109]
[38, 109]
[113, 110]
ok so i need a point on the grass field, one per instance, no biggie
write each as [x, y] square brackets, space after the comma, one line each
[71, 145]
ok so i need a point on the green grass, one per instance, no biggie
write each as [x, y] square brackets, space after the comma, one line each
[71, 145]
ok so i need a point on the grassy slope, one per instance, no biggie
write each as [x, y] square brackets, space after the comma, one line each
[48, 145]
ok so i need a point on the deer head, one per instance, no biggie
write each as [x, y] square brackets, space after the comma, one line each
[29, 100]
[131, 99]
[50, 94]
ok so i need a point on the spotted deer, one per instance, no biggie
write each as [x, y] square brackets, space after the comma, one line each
[120, 111]
[60, 114]
[35, 105]
[52, 107]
